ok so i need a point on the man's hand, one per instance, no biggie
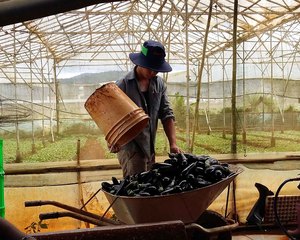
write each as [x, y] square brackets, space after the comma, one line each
[175, 149]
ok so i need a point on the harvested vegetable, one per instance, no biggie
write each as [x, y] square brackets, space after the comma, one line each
[179, 173]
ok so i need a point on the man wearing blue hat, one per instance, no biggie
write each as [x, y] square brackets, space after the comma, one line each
[148, 91]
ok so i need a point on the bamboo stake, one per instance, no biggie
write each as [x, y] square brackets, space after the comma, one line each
[233, 94]
[80, 193]
[200, 70]
[56, 98]
[18, 154]
[188, 141]
[33, 149]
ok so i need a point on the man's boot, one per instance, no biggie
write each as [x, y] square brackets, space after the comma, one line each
[296, 233]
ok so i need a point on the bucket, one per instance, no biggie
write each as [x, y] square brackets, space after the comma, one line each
[119, 118]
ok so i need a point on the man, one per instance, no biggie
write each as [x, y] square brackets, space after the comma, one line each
[148, 91]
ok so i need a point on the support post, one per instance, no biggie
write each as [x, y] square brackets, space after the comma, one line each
[200, 71]
[233, 94]
[2, 202]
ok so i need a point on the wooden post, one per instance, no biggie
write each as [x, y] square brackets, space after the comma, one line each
[80, 193]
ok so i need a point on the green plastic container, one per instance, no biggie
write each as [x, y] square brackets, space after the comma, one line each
[2, 203]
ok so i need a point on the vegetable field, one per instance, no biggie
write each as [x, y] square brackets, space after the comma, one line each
[67, 147]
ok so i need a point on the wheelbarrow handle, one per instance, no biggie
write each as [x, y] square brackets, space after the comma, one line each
[52, 215]
[197, 227]
[33, 203]
[69, 208]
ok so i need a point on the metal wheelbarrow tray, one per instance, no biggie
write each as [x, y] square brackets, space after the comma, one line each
[185, 206]
[180, 215]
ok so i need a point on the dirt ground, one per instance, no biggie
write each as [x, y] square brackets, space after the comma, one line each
[91, 150]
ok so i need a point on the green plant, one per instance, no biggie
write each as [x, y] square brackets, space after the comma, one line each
[179, 109]
[35, 227]
[65, 147]
[81, 128]
[290, 108]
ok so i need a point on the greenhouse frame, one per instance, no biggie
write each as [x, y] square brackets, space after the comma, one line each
[236, 69]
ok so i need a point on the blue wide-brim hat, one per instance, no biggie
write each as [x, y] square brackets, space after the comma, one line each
[152, 56]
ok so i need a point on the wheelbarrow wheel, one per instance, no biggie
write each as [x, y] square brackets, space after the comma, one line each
[211, 219]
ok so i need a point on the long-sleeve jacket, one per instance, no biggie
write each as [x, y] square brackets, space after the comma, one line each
[158, 108]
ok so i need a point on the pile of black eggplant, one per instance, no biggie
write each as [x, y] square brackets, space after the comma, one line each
[180, 173]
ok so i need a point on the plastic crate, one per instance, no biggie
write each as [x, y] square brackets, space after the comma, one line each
[286, 209]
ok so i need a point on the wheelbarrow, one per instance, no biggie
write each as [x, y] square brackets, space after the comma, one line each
[180, 214]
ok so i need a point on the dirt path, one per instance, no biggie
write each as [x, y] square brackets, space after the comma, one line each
[91, 150]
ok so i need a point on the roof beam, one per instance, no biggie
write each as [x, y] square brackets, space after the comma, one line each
[15, 11]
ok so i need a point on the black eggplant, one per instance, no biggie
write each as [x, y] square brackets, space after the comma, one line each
[215, 173]
[172, 183]
[131, 185]
[181, 172]
[166, 180]
[203, 183]
[173, 161]
[143, 194]
[142, 186]
[200, 164]
[145, 176]
[152, 190]
[106, 186]
[115, 181]
[198, 170]
[184, 185]
[161, 166]
[190, 177]
[174, 189]
[211, 161]
[172, 155]
[202, 158]
[188, 169]
[190, 157]
[130, 192]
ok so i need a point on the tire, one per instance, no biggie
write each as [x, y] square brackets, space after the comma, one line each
[211, 219]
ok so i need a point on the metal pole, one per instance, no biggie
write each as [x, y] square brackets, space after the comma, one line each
[233, 94]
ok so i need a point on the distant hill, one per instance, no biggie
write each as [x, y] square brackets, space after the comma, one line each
[109, 76]
[94, 78]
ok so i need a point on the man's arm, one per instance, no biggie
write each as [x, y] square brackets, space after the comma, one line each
[169, 128]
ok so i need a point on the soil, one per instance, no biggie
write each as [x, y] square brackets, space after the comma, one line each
[91, 150]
